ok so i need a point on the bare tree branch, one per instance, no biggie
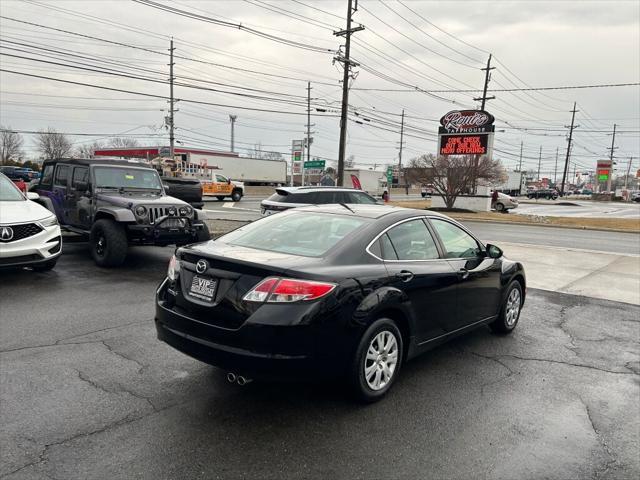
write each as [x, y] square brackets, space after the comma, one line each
[10, 145]
[53, 144]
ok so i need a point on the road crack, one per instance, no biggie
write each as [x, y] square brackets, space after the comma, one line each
[606, 466]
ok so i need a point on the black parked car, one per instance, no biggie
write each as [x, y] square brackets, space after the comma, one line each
[292, 197]
[327, 291]
[114, 204]
[549, 194]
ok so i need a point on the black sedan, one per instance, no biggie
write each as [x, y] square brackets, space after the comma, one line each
[350, 291]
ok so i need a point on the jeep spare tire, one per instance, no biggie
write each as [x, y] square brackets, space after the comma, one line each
[108, 243]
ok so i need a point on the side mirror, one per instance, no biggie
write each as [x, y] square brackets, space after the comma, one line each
[493, 251]
[82, 187]
[229, 181]
[166, 187]
[33, 196]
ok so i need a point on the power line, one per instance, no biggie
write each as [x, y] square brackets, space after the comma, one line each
[531, 89]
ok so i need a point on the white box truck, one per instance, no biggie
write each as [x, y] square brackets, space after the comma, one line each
[373, 182]
[247, 170]
[515, 184]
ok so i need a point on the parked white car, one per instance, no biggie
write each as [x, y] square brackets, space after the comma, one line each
[29, 233]
[504, 202]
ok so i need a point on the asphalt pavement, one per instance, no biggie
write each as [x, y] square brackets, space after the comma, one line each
[627, 243]
[87, 391]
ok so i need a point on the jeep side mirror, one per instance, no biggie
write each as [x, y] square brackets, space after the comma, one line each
[33, 196]
[493, 251]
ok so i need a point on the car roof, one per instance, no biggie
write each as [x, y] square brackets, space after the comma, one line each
[99, 161]
[317, 189]
[366, 211]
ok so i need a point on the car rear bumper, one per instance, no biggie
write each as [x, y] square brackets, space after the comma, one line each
[256, 350]
[36, 249]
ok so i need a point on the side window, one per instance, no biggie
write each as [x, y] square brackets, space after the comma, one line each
[62, 174]
[47, 175]
[412, 241]
[387, 252]
[457, 242]
[80, 175]
[362, 198]
[221, 178]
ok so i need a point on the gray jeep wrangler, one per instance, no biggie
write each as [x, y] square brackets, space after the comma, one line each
[116, 203]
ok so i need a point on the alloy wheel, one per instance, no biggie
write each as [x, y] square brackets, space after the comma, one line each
[513, 307]
[381, 360]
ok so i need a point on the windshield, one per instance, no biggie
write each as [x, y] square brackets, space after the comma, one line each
[306, 234]
[8, 191]
[126, 177]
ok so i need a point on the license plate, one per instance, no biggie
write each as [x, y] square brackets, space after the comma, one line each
[203, 288]
[173, 223]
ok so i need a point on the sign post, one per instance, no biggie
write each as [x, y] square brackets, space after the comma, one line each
[296, 158]
[389, 181]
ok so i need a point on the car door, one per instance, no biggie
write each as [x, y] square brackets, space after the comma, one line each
[59, 192]
[79, 202]
[478, 275]
[415, 266]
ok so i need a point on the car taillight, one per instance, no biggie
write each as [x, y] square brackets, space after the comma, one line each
[285, 290]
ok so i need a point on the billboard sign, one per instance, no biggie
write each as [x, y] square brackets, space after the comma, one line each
[464, 144]
[467, 121]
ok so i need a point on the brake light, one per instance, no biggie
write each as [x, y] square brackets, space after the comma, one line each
[285, 290]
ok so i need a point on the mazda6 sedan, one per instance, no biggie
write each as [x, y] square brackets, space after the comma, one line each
[350, 291]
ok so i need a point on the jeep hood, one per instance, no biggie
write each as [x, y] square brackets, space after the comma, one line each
[137, 198]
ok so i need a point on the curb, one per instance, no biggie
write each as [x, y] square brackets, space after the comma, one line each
[598, 229]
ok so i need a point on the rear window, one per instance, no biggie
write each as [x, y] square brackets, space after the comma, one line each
[308, 234]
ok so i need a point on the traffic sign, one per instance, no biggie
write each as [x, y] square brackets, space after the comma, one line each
[314, 164]
[389, 175]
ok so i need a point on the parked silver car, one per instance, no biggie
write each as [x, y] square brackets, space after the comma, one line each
[291, 197]
[504, 202]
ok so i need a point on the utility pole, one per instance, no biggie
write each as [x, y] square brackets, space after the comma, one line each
[400, 152]
[613, 147]
[172, 140]
[626, 178]
[308, 141]
[555, 170]
[539, 162]
[520, 164]
[487, 77]
[484, 98]
[566, 161]
[232, 118]
[347, 64]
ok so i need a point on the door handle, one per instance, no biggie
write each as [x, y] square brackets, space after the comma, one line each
[463, 273]
[405, 275]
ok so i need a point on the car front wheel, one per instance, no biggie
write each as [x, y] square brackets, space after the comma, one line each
[510, 311]
[236, 196]
[108, 243]
[376, 363]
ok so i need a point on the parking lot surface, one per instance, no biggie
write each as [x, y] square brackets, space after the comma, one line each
[87, 391]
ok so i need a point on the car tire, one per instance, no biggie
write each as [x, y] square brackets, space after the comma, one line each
[46, 266]
[509, 311]
[108, 243]
[220, 198]
[203, 234]
[236, 196]
[499, 207]
[373, 388]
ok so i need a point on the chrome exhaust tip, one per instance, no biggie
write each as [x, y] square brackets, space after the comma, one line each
[242, 381]
[231, 377]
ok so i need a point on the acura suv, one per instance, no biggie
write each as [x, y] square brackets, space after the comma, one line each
[29, 233]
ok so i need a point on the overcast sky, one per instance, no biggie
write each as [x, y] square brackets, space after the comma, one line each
[534, 43]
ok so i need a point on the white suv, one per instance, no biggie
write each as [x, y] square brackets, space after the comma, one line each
[29, 233]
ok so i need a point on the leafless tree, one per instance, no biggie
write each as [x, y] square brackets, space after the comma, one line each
[123, 142]
[53, 144]
[10, 145]
[87, 150]
[453, 175]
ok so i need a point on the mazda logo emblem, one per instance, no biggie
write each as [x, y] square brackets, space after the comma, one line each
[6, 234]
[202, 266]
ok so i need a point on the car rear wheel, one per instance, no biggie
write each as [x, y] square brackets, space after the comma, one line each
[376, 363]
[510, 311]
[499, 207]
[108, 243]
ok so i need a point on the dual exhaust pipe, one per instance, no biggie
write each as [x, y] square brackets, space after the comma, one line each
[239, 379]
